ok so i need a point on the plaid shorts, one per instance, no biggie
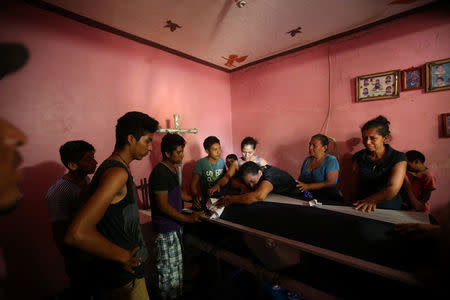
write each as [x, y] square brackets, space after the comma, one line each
[169, 264]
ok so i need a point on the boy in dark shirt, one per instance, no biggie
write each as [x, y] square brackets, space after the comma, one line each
[64, 201]
[167, 198]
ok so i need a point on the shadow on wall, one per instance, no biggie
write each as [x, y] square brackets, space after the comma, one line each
[188, 167]
[155, 156]
[33, 264]
[345, 164]
[285, 156]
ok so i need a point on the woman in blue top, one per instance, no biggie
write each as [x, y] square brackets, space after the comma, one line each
[320, 171]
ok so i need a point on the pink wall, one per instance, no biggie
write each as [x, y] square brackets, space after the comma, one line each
[78, 81]
[284, 101]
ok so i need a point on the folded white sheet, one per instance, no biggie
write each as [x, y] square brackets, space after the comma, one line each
[215, 211]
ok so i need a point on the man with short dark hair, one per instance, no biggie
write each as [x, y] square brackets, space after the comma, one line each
[167, 198]
[63, 200]
[108, 226]
[262, 181]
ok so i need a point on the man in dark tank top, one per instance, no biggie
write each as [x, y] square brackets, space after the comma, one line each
[108, 226]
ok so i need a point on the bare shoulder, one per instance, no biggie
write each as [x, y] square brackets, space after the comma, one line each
[114, 177]
[265, 185]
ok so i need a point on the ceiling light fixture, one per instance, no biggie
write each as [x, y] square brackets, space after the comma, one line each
[240, 3]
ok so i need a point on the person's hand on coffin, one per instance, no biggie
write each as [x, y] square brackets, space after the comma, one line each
[215, 188]
[223, 201]
[195, 217]
[365, 205]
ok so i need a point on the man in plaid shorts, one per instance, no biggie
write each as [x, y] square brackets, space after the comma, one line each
[167, 198]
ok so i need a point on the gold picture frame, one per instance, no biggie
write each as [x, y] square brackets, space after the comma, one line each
[413, 78]
[378, 86]
[438, 75]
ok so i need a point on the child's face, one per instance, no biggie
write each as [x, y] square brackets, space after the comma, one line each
[214, 151]
[229, 162]
[176, 157]
[87, 163]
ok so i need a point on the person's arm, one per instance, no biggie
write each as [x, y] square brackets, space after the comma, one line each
[330, 181]
[392, 188]
[162, 200]
[264, 188]
[83, 234]
[236, 183]
[225, 179]
[415, 203]
[186, 197]
[196, 197]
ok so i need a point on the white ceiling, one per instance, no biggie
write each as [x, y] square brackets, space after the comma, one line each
[213, 30]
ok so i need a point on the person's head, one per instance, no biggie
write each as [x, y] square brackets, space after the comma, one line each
[135, 129]
[212, 147]
[366, 82]
[365, 91]
[78, 156]
[389, 89]
[248, 147]
[230, 159]
[440, 68]
[377, 81]
[375, 133]
[439, 81]
[11, 138]
[388, 78]
[250, 173]
[172, 148]
[13, 57]
[318, 145]
[415, 160]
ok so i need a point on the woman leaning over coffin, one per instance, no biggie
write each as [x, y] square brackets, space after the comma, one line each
[378, 170]
[320, 171]
[248, 147]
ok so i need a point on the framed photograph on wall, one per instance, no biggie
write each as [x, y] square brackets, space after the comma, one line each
[438, 75]
[377, 86]
[413, 78]
[446, 125]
